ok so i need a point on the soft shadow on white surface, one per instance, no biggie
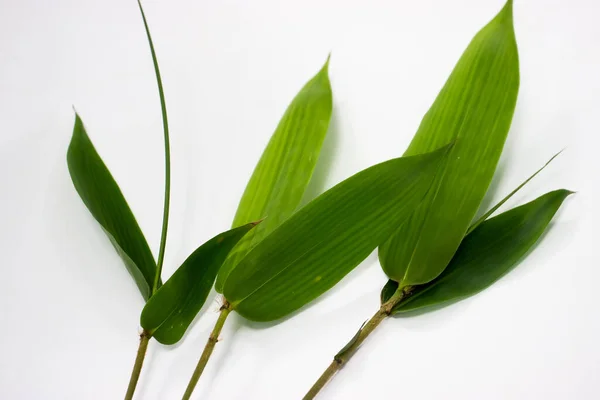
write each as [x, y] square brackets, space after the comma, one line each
[230, 69]
[494, 193]
[329, 152]
[452, 309]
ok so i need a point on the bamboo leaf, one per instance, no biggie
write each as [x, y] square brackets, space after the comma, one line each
[281, 176]
[391, 286]
[487, 253]
[474, 108]
[321, 243]
[511, 194]
[103, 198]
[171, 310]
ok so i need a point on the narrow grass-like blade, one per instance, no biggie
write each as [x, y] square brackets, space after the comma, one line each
[511, 194]
[474, 109]
[165, 120]
[487, 253]
[171, 310]
[281, 176]
[103, 198]
[321, 243]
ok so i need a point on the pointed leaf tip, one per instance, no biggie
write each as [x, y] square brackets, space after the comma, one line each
[505, 199]
[279, 181]
[475, 108]
[326, 65]
[102, 196]
[506, 13]
[171, 310]
[488, 253]
[258, 222]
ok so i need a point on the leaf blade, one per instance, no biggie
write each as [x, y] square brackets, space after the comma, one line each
[285, 168]
[325, 240]
[165, 120]
[488, 253]
[475, 108]
[171, 310]
[103, 198]
[391, 286]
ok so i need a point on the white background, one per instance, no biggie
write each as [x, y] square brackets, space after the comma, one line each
[69, 312]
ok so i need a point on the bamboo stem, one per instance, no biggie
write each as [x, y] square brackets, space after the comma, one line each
[208, 349]
[137, 366]
[341, 358]
[145, 336]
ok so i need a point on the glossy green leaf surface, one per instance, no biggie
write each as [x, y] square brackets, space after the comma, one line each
[475, 109]
[322, 242]
[486, 254]
[283, 172]
[171, 310]
[391, 286]
[103, 198]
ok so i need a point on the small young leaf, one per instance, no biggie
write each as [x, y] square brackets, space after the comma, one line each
[285, 168]
[321, 243]
[474, 108]
[103, 198]
[174, 306]
[487, 253]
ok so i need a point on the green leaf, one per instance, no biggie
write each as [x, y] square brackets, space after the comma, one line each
[511, 194]
[165, 120]
[474, 109]
[321, 243]
[171, 310]
[487, 253]
[391, 286]
[103, 198]
[281, 176]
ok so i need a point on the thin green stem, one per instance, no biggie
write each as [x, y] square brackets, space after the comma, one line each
[163, 106]
[208, 349]
[137, 366]
[145, 336]
[341, 358]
